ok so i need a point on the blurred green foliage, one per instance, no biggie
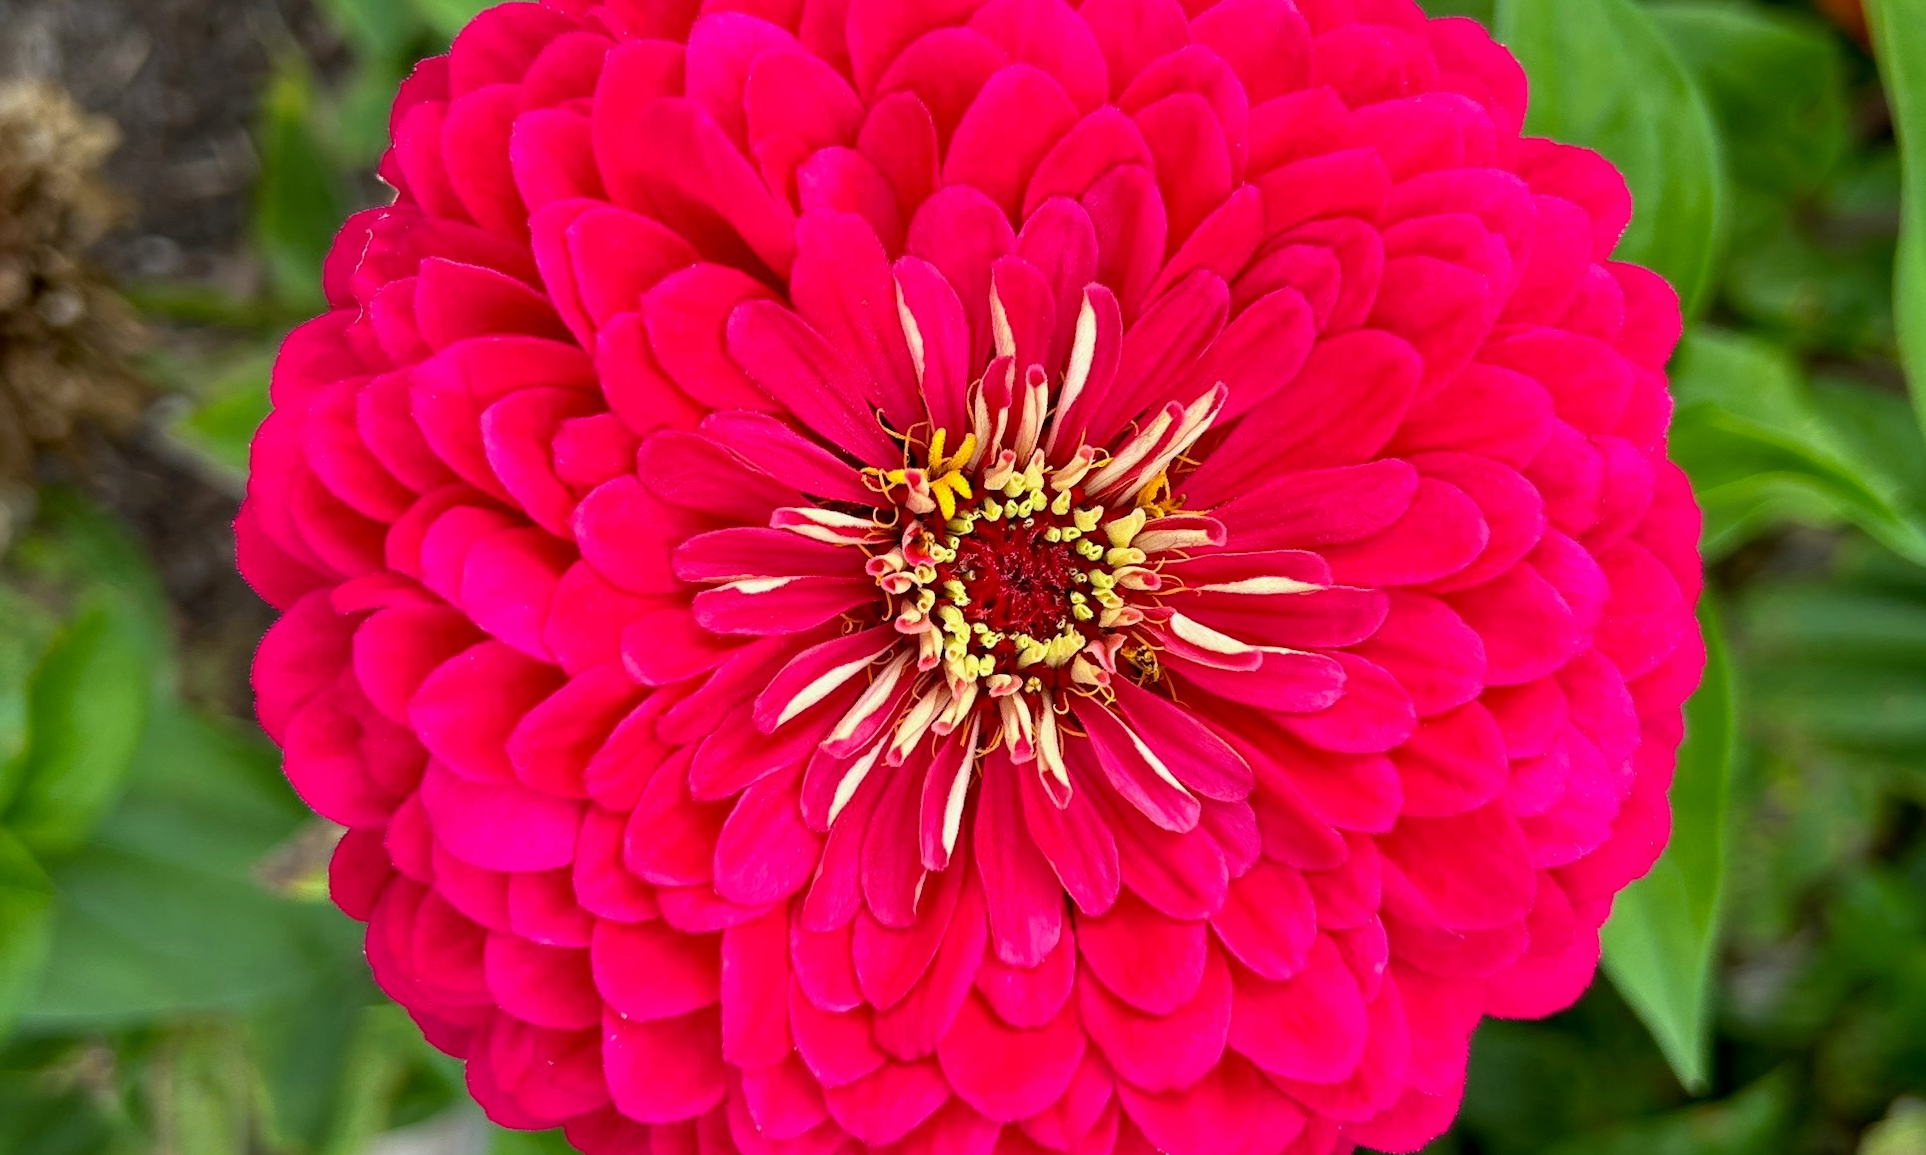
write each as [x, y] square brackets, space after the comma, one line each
[172, 980]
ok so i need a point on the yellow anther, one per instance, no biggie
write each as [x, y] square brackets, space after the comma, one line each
[1061, 506]
[1090, 549]
[1101, 580]
[1156, 496]
[942, 464]
[1071, 533]
[1124, 530]
[1078, 597]
[1030, 651]
[1087, 519]
[1053, 534]
[957, 593]
[1125, 556]
[963, 526]
[992, 510]
[925, 574]
[925, 600]
[1083, 613]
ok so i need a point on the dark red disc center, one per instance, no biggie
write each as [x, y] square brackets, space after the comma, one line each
[1018, 581]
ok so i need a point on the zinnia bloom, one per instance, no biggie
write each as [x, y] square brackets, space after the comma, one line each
[950, 576]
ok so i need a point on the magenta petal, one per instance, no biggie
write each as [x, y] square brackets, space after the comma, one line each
[1135, 771]
[664, 1070]
[1152, 962]
[1194, 753]
[1310, 1028]
[753, 988]
[1162, 1052]
[1076, 841]
[802, 372]
[1024, 899]
[888, 1103]
[1009, 1074]
[911, 1029]
[1269, 921]
[1029, 996]
[890, 960]
[765, 853]
[500, 827]
[1217, 1113]
[647, 971]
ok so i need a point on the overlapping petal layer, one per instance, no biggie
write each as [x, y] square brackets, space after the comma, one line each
[965, 576]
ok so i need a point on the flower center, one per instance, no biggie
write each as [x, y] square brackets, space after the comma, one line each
[1018, 579]
[1009, 580]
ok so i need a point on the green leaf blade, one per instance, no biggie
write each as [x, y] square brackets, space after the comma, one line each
[1662, 939]
[87, 707]
[26, 919]
[1604, 76]
[1899, 39]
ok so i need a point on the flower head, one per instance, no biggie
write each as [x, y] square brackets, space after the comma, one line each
[978, 576]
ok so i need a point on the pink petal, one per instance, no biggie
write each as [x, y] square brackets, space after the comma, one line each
[799, 369]
[500, 827]
[753, 988]
[1029, 996]
[1150, 961]
[1022, 895]
[664, 1070]
[648, 971]
[1009, 1074]
[1162, 1052]
[1311, 1027]
[1269, 921]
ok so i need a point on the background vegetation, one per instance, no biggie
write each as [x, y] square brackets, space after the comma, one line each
[173, 981]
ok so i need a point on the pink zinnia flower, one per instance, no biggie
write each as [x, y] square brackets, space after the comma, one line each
[952, 576]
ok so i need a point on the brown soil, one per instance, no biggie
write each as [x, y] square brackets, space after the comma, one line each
[183, 80]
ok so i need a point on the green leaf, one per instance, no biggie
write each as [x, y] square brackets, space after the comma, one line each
[86, 708]
[1899, 36]
[528, 1143]
[200, 1091]
[1662, 939]
[1839, 663]
[1760, 451]
[77, 547]
[330, 1060]
[298, 200]
[161, 913]
[1776, 83]
[1479, 10]
[25, 631]
[449, 17]
[230, 402]
[26, 899]
[1753, 1122]
[382, 29]
[1603, 76]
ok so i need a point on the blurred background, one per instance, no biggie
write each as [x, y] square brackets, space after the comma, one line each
[172, 980]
